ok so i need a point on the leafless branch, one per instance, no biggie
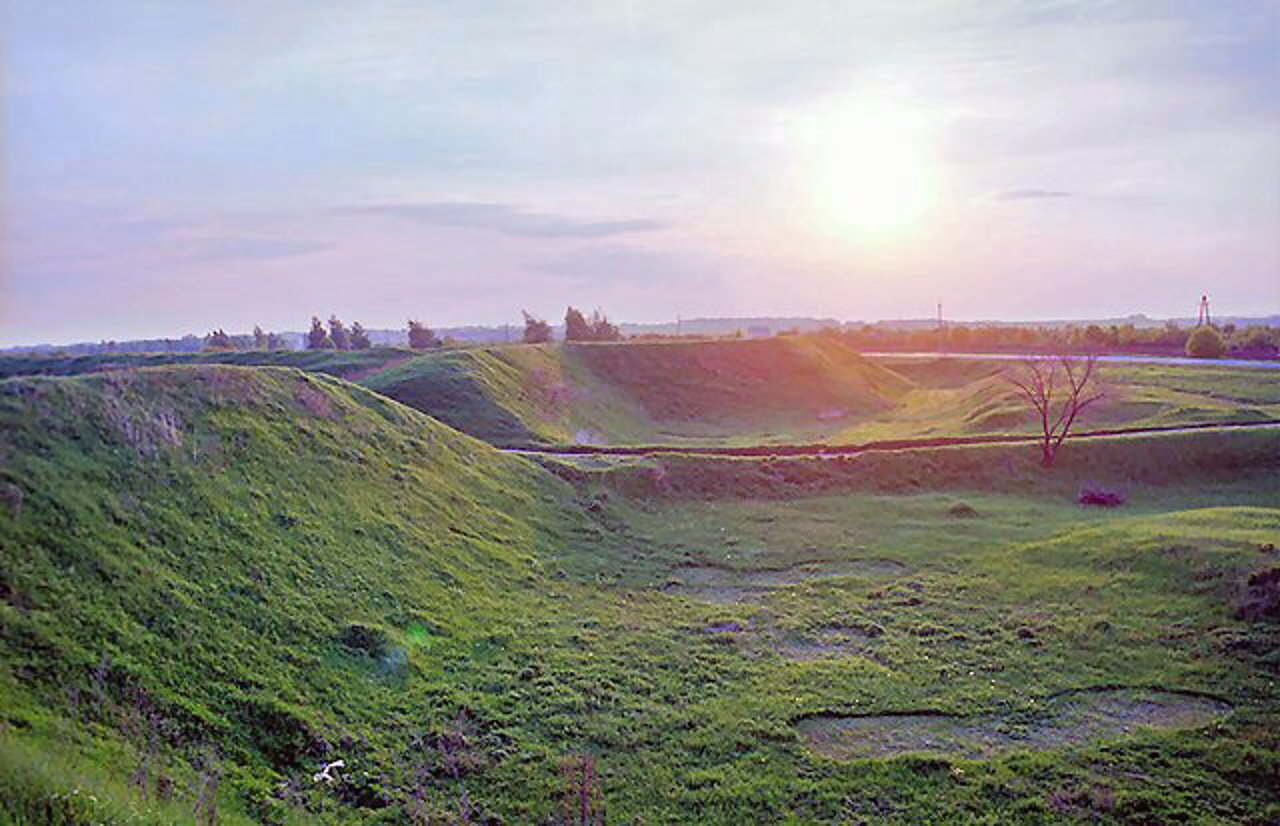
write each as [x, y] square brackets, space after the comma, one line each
[1040, 380]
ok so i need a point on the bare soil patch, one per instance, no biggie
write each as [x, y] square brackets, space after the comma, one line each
[826, 643]
[710, 583]
[1067, 719]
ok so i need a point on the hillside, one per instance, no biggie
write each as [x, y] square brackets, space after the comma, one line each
[217, 581]
[729, 392]
[515, 395]
[959, 397]
[766, 390]
[264, 562]
[348, 364]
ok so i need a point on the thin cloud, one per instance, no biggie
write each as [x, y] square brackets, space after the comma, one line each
[504, 219]
[1029, 195]
[210, 249]
[615, 263]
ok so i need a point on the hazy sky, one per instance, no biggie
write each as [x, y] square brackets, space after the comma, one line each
[174, 166]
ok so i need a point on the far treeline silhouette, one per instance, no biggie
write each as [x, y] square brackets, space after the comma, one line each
[1203, 341]
[577, 327]
[220, 339]
[338, 337]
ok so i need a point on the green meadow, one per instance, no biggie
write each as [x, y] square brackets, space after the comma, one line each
[220, 575]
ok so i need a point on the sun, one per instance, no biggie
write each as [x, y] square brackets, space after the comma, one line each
[866, 167]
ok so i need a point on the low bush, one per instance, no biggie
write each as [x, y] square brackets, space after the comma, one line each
[1101, 497]
[1206, 343]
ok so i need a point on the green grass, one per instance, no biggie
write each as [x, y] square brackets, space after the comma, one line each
[791, 389]
[1120, 462]
[954, 397]
[512, 395]
[288, 569]
[730, 391]
[351, 364]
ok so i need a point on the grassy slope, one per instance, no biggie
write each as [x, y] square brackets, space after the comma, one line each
[728, 392]
[351, 365]
[1124, 463]
[210, 533]
[512, 395]
[214, 532]
[636, 392]
[955, 397]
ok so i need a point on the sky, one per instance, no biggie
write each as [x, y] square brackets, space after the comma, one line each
[171, 167]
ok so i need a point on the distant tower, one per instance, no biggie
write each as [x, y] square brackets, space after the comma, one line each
[1204, 311]
[940, 324]
[678, 322]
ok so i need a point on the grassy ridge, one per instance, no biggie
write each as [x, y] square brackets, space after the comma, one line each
[728, 382]
[956, 397]
[349, 364]
[1121, 462]
[791, 389]
[749, 391]
[516, 395]
[215, 539]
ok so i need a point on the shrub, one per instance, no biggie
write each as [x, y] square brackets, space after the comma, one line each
[318, 337]
[536, 330]
[359, 337]
[1206, 343]
[1101, 497]
[421, 337]
[368, 639]
[1261, 599]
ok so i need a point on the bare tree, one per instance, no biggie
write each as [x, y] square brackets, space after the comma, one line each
[1058, 389]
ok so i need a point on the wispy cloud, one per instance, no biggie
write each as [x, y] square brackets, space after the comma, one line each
[504, 219]
[209, 249]
[1029, 194]
[614, 263]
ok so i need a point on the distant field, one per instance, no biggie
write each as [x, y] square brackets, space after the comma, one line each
[266, 571]
[953, 398]
[349, 364]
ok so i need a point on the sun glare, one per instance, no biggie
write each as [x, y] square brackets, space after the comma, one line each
[867, 168]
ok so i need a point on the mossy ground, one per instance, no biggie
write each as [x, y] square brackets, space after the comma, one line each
[267, 571]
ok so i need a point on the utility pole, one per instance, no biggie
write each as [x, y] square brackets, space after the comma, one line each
[679, 321]
[940, 324]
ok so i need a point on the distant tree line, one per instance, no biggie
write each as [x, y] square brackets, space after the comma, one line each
[186, 344]
[220, 339]
[1206, 341]
[1253, 341]
[337, 336]
[577, 327]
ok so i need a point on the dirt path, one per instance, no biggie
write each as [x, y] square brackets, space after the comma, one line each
[820, 450]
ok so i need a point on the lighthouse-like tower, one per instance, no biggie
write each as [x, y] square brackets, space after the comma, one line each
[1204, 311]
